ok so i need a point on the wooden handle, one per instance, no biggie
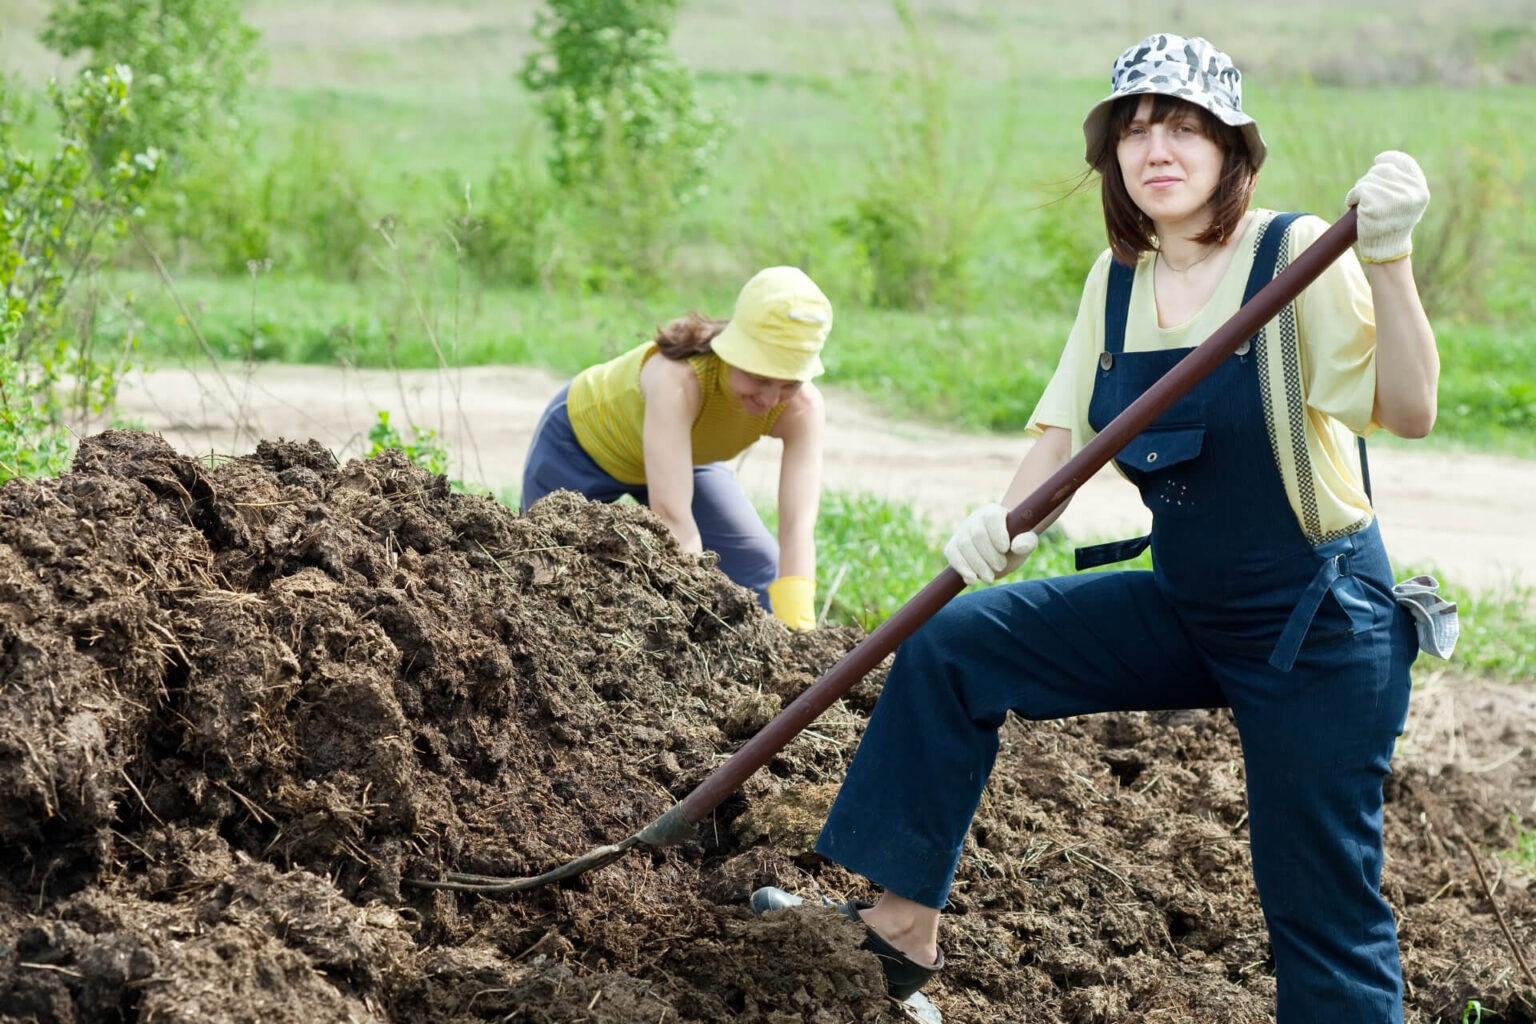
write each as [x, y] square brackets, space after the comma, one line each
[1061, 485]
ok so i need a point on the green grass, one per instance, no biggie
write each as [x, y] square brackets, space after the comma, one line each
[1487, 390]
[1525, 846]
[1496, 635]
[872, 557]
[409, 128]
[875, 555]
[799, 153]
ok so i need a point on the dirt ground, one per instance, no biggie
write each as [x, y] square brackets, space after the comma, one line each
[248, 703]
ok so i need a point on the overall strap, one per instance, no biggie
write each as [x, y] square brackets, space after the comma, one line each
[1266, 260]
[1117, 305]
[1266, 264]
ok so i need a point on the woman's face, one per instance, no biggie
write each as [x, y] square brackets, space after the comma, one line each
[760, 394]
[1171, 168]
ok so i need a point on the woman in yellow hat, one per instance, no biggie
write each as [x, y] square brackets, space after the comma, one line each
[660, 430]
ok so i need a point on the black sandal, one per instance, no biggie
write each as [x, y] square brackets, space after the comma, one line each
[903, 975]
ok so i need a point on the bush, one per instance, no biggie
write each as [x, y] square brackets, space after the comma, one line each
[631, 145]
[504, 230]
[925, 201]
[303, 213]
[57, 215]
[192, 63]
[192, 60]
[1471, 195]
[604, 66]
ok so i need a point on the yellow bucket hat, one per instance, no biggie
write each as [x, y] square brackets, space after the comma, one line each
[781, 321]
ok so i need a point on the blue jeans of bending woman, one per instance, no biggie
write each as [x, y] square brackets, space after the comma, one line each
[728, 524]
[1316, 744]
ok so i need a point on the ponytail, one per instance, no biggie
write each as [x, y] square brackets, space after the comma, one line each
[688, 335]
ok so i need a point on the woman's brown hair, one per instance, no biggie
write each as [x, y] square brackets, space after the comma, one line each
[1130, 230]
[688, 335]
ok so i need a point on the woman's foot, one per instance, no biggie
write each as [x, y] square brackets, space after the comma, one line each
[910, 927]
[909, 956]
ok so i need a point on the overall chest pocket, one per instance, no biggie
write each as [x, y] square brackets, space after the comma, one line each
[1163, 462]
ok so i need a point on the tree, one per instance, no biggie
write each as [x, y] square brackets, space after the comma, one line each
[604, 76]
[57, 215]
[192, 61]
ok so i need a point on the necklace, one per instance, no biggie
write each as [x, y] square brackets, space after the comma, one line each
[1192, 263]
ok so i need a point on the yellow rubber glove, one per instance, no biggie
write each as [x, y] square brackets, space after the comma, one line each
[793, 599]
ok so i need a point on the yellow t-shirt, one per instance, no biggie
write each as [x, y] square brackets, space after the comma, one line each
[607, 412]
[1318, 379]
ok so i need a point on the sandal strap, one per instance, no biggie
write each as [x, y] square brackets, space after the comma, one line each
[903, 975]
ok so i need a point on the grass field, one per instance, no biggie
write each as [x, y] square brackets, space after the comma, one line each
[394, 113]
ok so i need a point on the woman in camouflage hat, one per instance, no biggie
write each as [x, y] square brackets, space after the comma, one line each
[1271, 593]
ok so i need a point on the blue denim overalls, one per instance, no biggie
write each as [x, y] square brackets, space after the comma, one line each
[1305, 644]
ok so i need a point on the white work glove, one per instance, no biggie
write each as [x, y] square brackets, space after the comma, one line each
[1391, 198]
[980, 548]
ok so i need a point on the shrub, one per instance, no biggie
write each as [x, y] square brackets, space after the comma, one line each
[303, 213]
[504, 228]
[192, 60]
[631, 144]
[192, 63]
[925, 200]
[603, 65]
[424, 449]
[57, 214]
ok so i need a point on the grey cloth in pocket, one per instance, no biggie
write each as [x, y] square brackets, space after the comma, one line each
[1433, 615]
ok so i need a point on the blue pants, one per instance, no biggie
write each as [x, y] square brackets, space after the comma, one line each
[1316, 744]
[728, 524]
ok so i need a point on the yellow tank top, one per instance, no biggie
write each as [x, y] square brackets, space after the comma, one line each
[607, 412]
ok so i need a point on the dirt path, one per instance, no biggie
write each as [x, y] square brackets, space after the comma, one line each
[1467, 516]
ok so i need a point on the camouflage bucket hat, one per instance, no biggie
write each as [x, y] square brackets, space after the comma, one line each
[1187, 67]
